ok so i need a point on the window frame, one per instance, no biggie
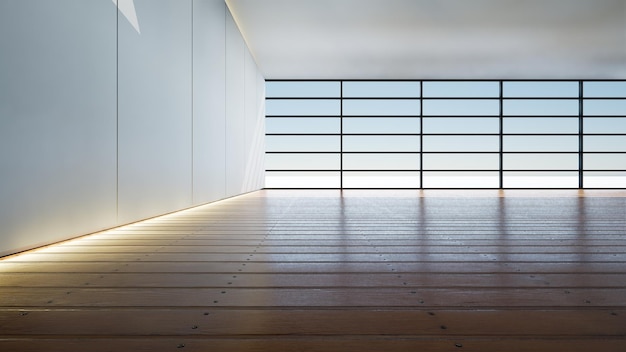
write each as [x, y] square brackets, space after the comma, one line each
[419, 117]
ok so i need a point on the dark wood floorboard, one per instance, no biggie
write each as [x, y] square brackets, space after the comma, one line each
[334, 271]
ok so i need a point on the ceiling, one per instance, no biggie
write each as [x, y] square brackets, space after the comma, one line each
[435, 39]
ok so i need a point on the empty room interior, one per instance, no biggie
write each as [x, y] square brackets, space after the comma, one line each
[312, 175]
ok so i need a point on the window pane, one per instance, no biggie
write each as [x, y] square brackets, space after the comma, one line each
[380, 107]
[381, 125]
[604, 143]
[540, 89]
[540, 107]
[458, 107]
[461, 89]
[302, 179]
[381, 161]
[465, 179]
[377, 179]
[461, 143]
[295, 107]
[604, 179]
[604, 89]
[604, 161]
[302, 143]
[604, 107]
[461, 125]
[461, 161]
[550, 179]
[302, 125]
[604, 125]
[381, 143]
[540, 125]
[302, 161]
[302, 89]
[540, 161]
[381, 89]
[540, 144]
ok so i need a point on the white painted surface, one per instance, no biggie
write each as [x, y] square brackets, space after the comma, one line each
[250, 87]
[260, 146]
[57, 120]
[216, 99]
[155, 123]
[255, 128]
[203, 18]
[435, 39]
[64, 150]
[235, 108]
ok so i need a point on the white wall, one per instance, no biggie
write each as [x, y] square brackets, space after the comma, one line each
[101, 125]
[244, 163]
[154, 114]
[235, 107]
[209, 101]
[57, 120]
[254, 126]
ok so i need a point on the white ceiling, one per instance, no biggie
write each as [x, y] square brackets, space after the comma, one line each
[435, 39]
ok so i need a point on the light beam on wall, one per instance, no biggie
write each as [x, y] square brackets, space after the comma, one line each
[127, 8]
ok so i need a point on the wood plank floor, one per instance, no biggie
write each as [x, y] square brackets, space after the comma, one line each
[334, 271]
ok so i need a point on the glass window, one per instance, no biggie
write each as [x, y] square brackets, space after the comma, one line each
[452, 125]
[381, 125]
[378, 179]
[303, 125]
[530, 107]
[604, 143]
[303, 107]
[302, 89]
[302, 143]
[599, 107]
[467, 179]
[540, 89]
[605, 89]
[381, 107]
[461, 143]
[542, 179]
[381, 161]
[547, 125]
[302, 179]
[540, 144]
[381, 143]
[302, 161]
[604, 161]
[374, 131]
[604, 125]
[540, 161]
[461, 161]
[462, 89]
[461, 107]
[604, 179]
[380, 89]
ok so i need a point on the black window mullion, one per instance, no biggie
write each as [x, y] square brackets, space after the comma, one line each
[341, 135]
[580, 134]
[501, 141]
[421, 172]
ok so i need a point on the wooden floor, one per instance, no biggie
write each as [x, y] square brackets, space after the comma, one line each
[330, 271]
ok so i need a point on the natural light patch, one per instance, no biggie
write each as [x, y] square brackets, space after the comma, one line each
[127, 8]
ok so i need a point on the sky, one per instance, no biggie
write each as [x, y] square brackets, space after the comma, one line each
[459, 123]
